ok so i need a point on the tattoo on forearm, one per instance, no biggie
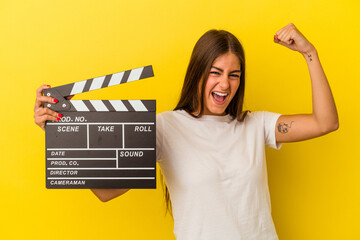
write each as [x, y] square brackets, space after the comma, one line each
[309, 56]
[284, 127]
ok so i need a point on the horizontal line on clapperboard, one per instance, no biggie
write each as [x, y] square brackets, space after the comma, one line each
[82, 159]
[105, 123]
[149, 168]
[86, 149]
[96, 178]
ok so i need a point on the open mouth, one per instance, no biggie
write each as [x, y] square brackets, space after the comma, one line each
[218, 97]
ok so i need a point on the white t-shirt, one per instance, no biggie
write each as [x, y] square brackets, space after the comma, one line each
[215, 170]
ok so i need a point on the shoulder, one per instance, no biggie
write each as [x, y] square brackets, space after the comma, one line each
[256, 116]
[168, 118]
[165, 114]
[261, 115]
[171, 115]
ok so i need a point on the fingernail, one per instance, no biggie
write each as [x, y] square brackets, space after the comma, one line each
[274, 37]
[58, 119]
[48, 85]
[55, 100]
[60, 115]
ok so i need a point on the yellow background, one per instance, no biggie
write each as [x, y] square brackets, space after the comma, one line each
[314, 185]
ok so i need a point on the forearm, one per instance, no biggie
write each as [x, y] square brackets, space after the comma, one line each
[324, 108]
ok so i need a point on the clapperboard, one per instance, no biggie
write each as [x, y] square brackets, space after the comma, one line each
[101, 143]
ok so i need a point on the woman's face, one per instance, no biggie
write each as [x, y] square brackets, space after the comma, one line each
[222, 84]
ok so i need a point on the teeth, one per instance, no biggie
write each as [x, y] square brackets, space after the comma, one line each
[220, 94]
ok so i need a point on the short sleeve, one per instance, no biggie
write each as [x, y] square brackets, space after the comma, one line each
[270, 120]
[159, 136]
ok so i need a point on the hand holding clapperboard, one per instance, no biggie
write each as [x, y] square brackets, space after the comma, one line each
[101, 143]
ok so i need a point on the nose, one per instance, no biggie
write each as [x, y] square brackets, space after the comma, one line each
[224, 82]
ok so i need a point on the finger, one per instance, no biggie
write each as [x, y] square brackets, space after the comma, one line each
[287, 37]
[284, 44]
[40, 89]
[40, 120]
[39, 92]
[45, 114]
[283, 34]
[46, 111]
[276, 39]
[293, 32]
[279, 32]
[40, 100]
[278, 35]
[45, 118]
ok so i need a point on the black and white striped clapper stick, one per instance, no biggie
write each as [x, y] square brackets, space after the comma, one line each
[101, 143]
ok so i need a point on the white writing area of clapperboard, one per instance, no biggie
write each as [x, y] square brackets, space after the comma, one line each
[101, 143]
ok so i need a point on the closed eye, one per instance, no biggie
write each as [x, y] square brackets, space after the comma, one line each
[234, 75]
[215, 73]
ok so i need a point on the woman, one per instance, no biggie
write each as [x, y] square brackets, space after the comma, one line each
[212, 152]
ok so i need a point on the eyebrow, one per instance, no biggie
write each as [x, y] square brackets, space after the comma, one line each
[223, 70]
